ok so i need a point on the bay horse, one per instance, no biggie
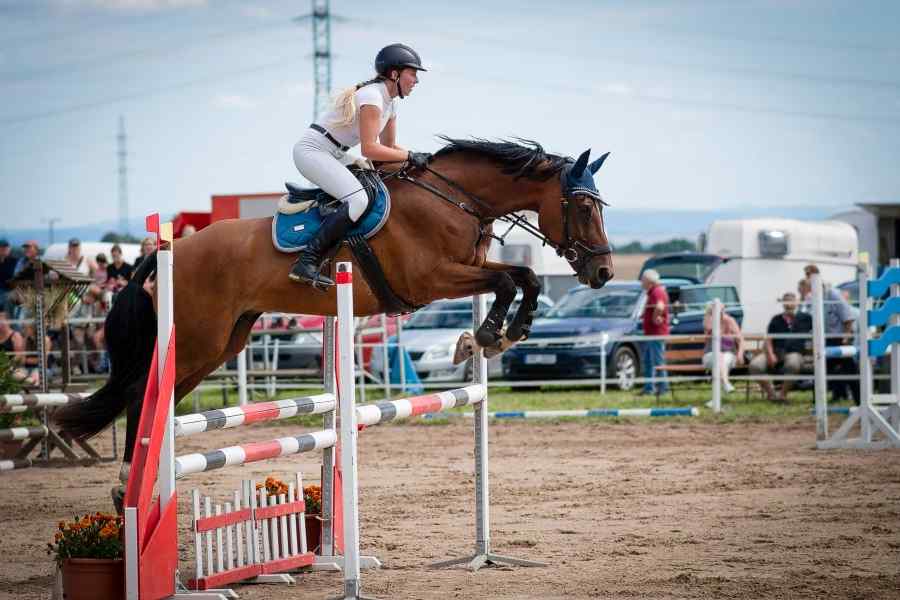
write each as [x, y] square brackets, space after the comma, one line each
[433, 246]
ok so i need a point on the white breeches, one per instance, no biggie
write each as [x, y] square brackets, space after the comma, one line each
[322, 163]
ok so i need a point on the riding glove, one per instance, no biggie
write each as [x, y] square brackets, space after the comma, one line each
[419, 160]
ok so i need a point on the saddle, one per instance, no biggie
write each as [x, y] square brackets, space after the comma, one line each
[301, 199]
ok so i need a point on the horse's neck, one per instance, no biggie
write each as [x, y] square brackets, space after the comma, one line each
[498, 192]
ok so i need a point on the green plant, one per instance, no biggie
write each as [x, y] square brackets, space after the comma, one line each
[8, 385]
[91, 536]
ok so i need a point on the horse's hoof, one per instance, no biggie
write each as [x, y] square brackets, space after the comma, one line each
[465, 348]
[501, 346]
[486, 337]
[118, 498]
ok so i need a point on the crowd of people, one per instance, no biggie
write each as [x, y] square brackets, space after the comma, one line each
[781, 354]
[86, 345]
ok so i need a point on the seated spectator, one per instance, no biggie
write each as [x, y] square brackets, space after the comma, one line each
[731, 347]
[840, 325]
[87, 338]
[32, 362]
[11, 341]
[7, 269]
[782, 355]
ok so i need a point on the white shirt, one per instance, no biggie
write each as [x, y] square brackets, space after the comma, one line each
[375, 94]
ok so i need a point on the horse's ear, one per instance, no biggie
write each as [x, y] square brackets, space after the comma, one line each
[580, 164]
[595, 166]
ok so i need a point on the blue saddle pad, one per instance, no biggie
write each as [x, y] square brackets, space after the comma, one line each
[291, 233]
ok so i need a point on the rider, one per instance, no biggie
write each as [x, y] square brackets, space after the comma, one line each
[364, 114]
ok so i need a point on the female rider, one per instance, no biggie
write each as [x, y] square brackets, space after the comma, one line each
[365, 114]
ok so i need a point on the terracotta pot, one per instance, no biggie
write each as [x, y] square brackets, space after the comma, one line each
[313, 526]
[93, 579]
[10, 448]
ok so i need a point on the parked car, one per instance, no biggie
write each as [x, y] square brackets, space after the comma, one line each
[431, 334]
[567, 343]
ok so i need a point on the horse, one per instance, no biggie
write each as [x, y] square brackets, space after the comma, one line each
[434, 245]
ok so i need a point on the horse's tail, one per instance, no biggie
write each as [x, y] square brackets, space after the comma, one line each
[130, 332]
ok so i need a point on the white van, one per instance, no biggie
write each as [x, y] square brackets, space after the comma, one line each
[764, 258]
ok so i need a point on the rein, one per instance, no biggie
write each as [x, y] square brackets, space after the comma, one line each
[574, 251]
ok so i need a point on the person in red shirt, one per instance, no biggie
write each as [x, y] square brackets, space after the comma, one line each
[656, 322]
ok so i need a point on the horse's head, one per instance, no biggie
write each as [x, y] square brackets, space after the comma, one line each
[574, 221]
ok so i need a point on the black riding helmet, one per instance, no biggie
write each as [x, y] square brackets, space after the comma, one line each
[397, 56]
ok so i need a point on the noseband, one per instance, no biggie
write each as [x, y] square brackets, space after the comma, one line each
[575, 251]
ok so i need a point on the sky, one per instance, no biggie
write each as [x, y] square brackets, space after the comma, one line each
[704, 105]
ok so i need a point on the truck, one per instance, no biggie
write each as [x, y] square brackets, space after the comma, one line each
[763, 259]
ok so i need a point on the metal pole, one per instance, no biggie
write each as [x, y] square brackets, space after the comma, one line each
[717, 355]
[482, 489]
[865, 365]
[385, 357]
[39, 335]
[242, 377]
[821, 383]
[328, 422]
[400, 356]
[604, 340]
[894, 415]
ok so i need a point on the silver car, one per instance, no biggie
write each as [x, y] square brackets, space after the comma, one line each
[431, 334]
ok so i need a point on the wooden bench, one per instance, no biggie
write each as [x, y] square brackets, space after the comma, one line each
[685, 356]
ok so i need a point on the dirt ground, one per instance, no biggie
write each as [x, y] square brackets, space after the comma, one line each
[637, 509]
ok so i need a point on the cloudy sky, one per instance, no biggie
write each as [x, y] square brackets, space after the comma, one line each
[703, 104]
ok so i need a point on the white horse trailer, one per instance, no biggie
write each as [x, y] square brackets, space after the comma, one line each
[764, 258]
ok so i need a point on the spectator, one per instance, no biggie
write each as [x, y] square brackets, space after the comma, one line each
[87, 338]
[804, 289]
[148, 245]
[188, 230]
[732, 345]
[11, 341]
[30, 251]
[656, 322]
[74, 257]
[7, 270]
[31, 360]
[119, 271]
[100, 270]
[840, 320]
[782, 355]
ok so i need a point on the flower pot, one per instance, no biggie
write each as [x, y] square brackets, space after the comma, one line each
[93, 579]
[10, 448]
[313, 526]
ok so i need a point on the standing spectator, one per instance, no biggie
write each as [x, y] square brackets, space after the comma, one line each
[74, 257]
[656, 322]
[840, 319]
[148, 245]
[119, 271]
[11, 341]
[731, 346]
[782, 355]
[32, 359]
[30, 251]
[7, 270]
[100, 273]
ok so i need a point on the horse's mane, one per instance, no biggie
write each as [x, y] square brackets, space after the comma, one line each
[519, 158]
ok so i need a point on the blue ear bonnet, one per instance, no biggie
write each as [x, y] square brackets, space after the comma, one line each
[578, 178]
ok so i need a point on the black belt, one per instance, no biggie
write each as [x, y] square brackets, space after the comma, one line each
[330, 137]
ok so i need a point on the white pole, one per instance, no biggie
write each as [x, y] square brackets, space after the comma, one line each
[604, 340]
[821, 384]
[242, 377]
[716, 355]
[400, 357]
[328, 454]
[865, 366]
[482, 489]
[347, 386]
[385, 357]
[165, 321]
[894, 415]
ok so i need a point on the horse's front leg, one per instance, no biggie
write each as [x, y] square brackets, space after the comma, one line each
[454, 280]
[525, 278]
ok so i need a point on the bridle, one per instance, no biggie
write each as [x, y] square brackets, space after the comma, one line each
[576, 252]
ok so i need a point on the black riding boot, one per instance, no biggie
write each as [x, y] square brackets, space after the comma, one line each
[332, 231]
